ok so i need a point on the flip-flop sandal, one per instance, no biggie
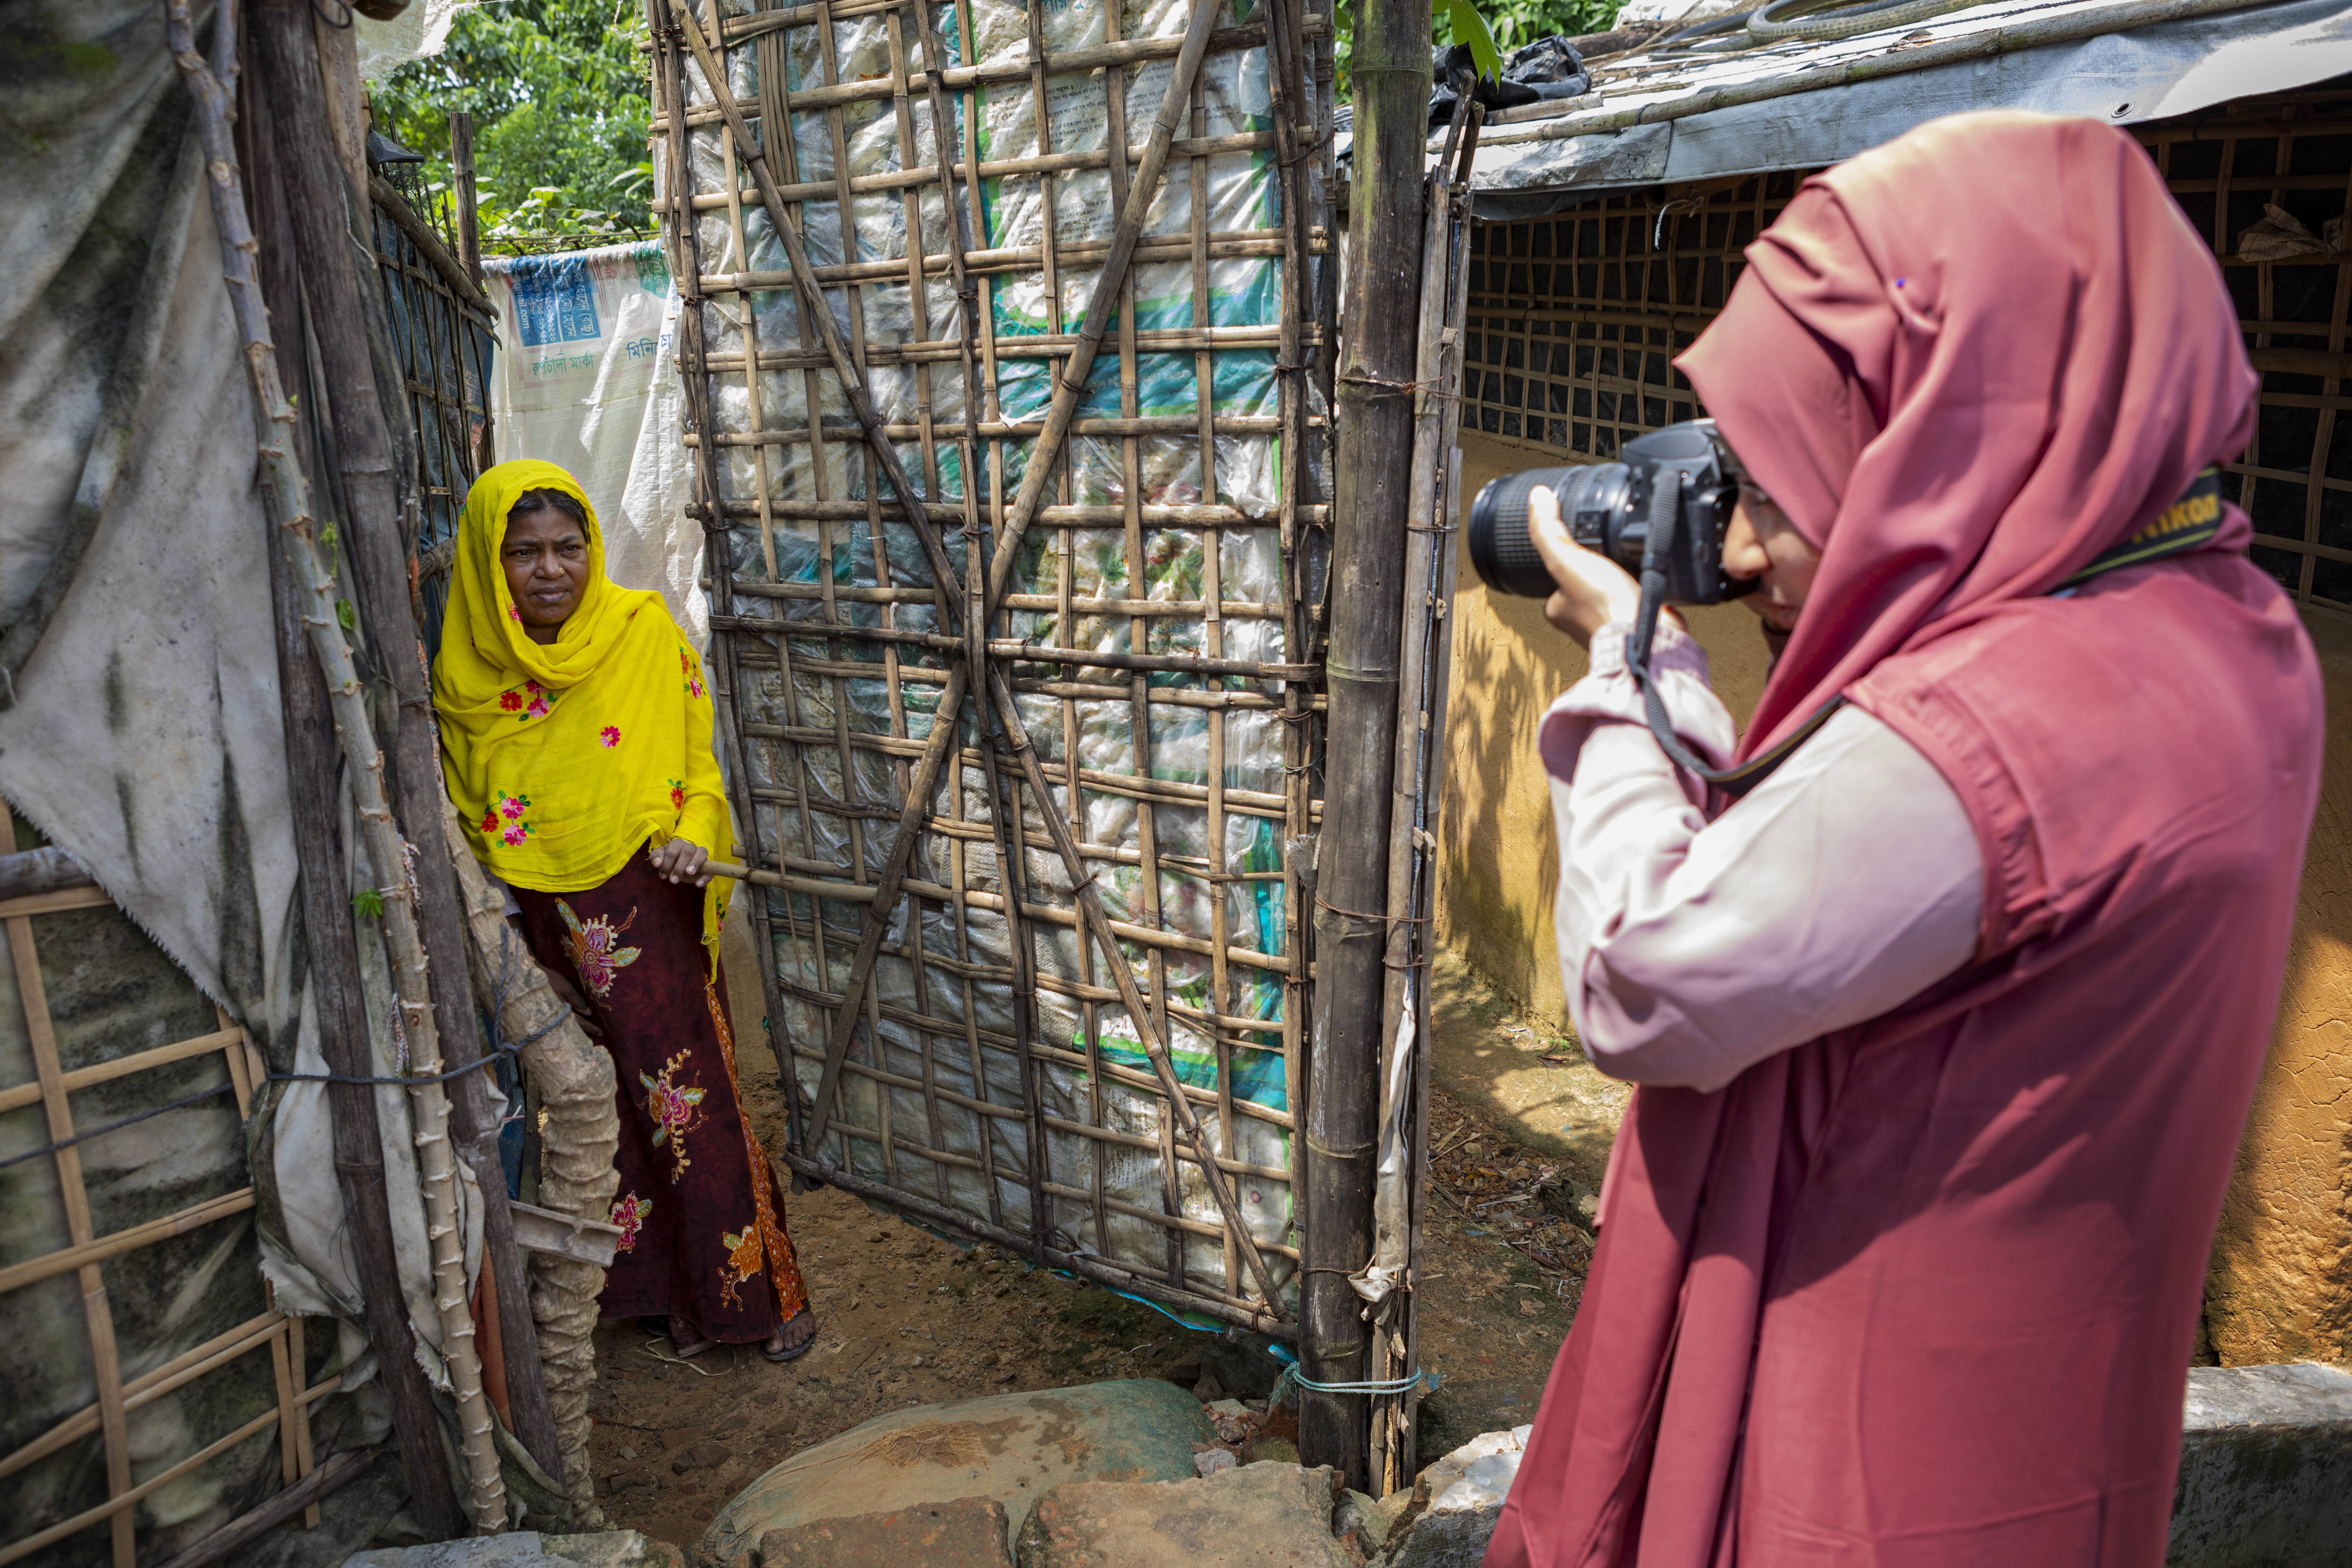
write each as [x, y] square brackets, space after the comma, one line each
[791, 1352]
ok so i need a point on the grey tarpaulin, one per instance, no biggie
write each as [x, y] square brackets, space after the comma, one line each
[145, 735]
[2154, 72]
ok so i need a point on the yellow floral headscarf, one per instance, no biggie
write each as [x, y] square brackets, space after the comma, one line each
[564, 758]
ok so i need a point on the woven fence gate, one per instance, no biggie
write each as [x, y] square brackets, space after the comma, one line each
[1025, 770]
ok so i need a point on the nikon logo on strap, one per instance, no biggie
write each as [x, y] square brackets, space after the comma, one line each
[2188, 523]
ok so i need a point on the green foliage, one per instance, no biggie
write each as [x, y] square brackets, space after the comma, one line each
[557, 92]
[369, 901]
[1508, 24]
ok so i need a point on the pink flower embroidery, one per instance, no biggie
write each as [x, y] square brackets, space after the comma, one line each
[595, 947]
[516, 834]
[512, 806]
[513, 614]
[630, 1214]
[675, 1110]
[611, 737]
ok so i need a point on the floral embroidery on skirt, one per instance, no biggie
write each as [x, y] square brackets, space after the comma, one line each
[702, 1236]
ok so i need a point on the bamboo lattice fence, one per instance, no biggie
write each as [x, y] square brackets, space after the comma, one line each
[1027, 775]
[1574, 317]
[442, 338]
[178, 1424]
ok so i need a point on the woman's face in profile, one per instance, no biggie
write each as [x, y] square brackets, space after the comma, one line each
[546, 561]
[1761, 543]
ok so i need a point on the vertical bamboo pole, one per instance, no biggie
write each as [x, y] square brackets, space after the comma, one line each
[1379, 352]
[312, 766]
[469, 221]
[317, 200]
[288, 495]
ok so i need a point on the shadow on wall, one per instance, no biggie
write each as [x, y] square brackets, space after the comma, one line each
[1499, 861]
[2280, 1287]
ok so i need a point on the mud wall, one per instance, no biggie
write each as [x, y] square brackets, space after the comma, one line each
[2281, 1283]
[1498, 864]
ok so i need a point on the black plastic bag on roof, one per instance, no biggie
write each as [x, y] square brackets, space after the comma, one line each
[1548, 67]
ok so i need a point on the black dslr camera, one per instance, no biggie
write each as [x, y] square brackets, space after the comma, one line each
[1678, 486]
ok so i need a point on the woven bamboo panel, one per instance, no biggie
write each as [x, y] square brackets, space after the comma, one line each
[170, 1439]
[1158, 634]
[444, 345]
[2293, 153]
[1575, 317]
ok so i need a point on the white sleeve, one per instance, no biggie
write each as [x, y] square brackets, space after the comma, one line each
[1846, 883]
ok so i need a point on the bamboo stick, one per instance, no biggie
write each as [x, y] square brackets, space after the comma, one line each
[1222, 247]
[1375, 415]
[374, 452]
[469, 223]
[1070, 384]
[998, 168]
[314, 770]
[289, 493]
[1443, 279]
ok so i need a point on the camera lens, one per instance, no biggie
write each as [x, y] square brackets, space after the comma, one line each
[1500, 548]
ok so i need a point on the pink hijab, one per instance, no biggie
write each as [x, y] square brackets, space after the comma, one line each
[1964, 364]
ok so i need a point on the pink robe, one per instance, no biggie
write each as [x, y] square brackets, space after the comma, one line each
[1923, 1292]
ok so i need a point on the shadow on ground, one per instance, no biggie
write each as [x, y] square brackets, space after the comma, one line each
[1525, 1076]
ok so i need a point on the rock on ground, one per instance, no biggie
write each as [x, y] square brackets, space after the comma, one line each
[1010, 1447]
[1258, 1516]
[966, 1533]
[2265, 1469]
[1456, 1502]
[528, 1549]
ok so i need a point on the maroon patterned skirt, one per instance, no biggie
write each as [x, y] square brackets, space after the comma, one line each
[702, 1234]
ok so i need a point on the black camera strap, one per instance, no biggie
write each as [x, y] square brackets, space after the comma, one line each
[1657, 540]
[2190, 524]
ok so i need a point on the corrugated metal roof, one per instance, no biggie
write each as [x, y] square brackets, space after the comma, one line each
[1655, 119]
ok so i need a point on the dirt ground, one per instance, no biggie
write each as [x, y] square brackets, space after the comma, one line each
[907, 1319]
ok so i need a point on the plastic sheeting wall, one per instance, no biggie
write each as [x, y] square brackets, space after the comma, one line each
[1182, 528]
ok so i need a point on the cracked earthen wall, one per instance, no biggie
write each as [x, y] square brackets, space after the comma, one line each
[2280, 1286]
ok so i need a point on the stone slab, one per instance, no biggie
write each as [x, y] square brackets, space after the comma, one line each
[1259, 1516]
[528, 1549]
[968, 1533]
[2265, 1469]
[2265, 1478]
[1012, 1448]
[1456, 1502]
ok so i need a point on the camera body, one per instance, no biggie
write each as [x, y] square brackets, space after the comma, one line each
[1607, 507]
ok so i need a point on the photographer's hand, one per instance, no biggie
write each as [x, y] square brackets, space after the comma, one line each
[1593, 590]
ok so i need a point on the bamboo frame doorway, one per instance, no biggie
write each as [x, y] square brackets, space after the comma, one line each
[1027, 773]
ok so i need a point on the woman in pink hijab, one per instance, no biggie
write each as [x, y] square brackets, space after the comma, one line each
[1947, 1031]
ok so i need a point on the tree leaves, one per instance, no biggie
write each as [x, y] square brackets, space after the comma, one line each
[1467, 26]
[559, 95]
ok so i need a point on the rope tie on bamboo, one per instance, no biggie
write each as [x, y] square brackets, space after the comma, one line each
[1322, 902]
[499, 1045]
[1434, 386]
[1293, 1378]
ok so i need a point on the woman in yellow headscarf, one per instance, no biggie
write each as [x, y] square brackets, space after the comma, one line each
[575, 725]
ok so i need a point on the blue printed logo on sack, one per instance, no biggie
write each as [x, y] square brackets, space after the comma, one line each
[554, 301]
